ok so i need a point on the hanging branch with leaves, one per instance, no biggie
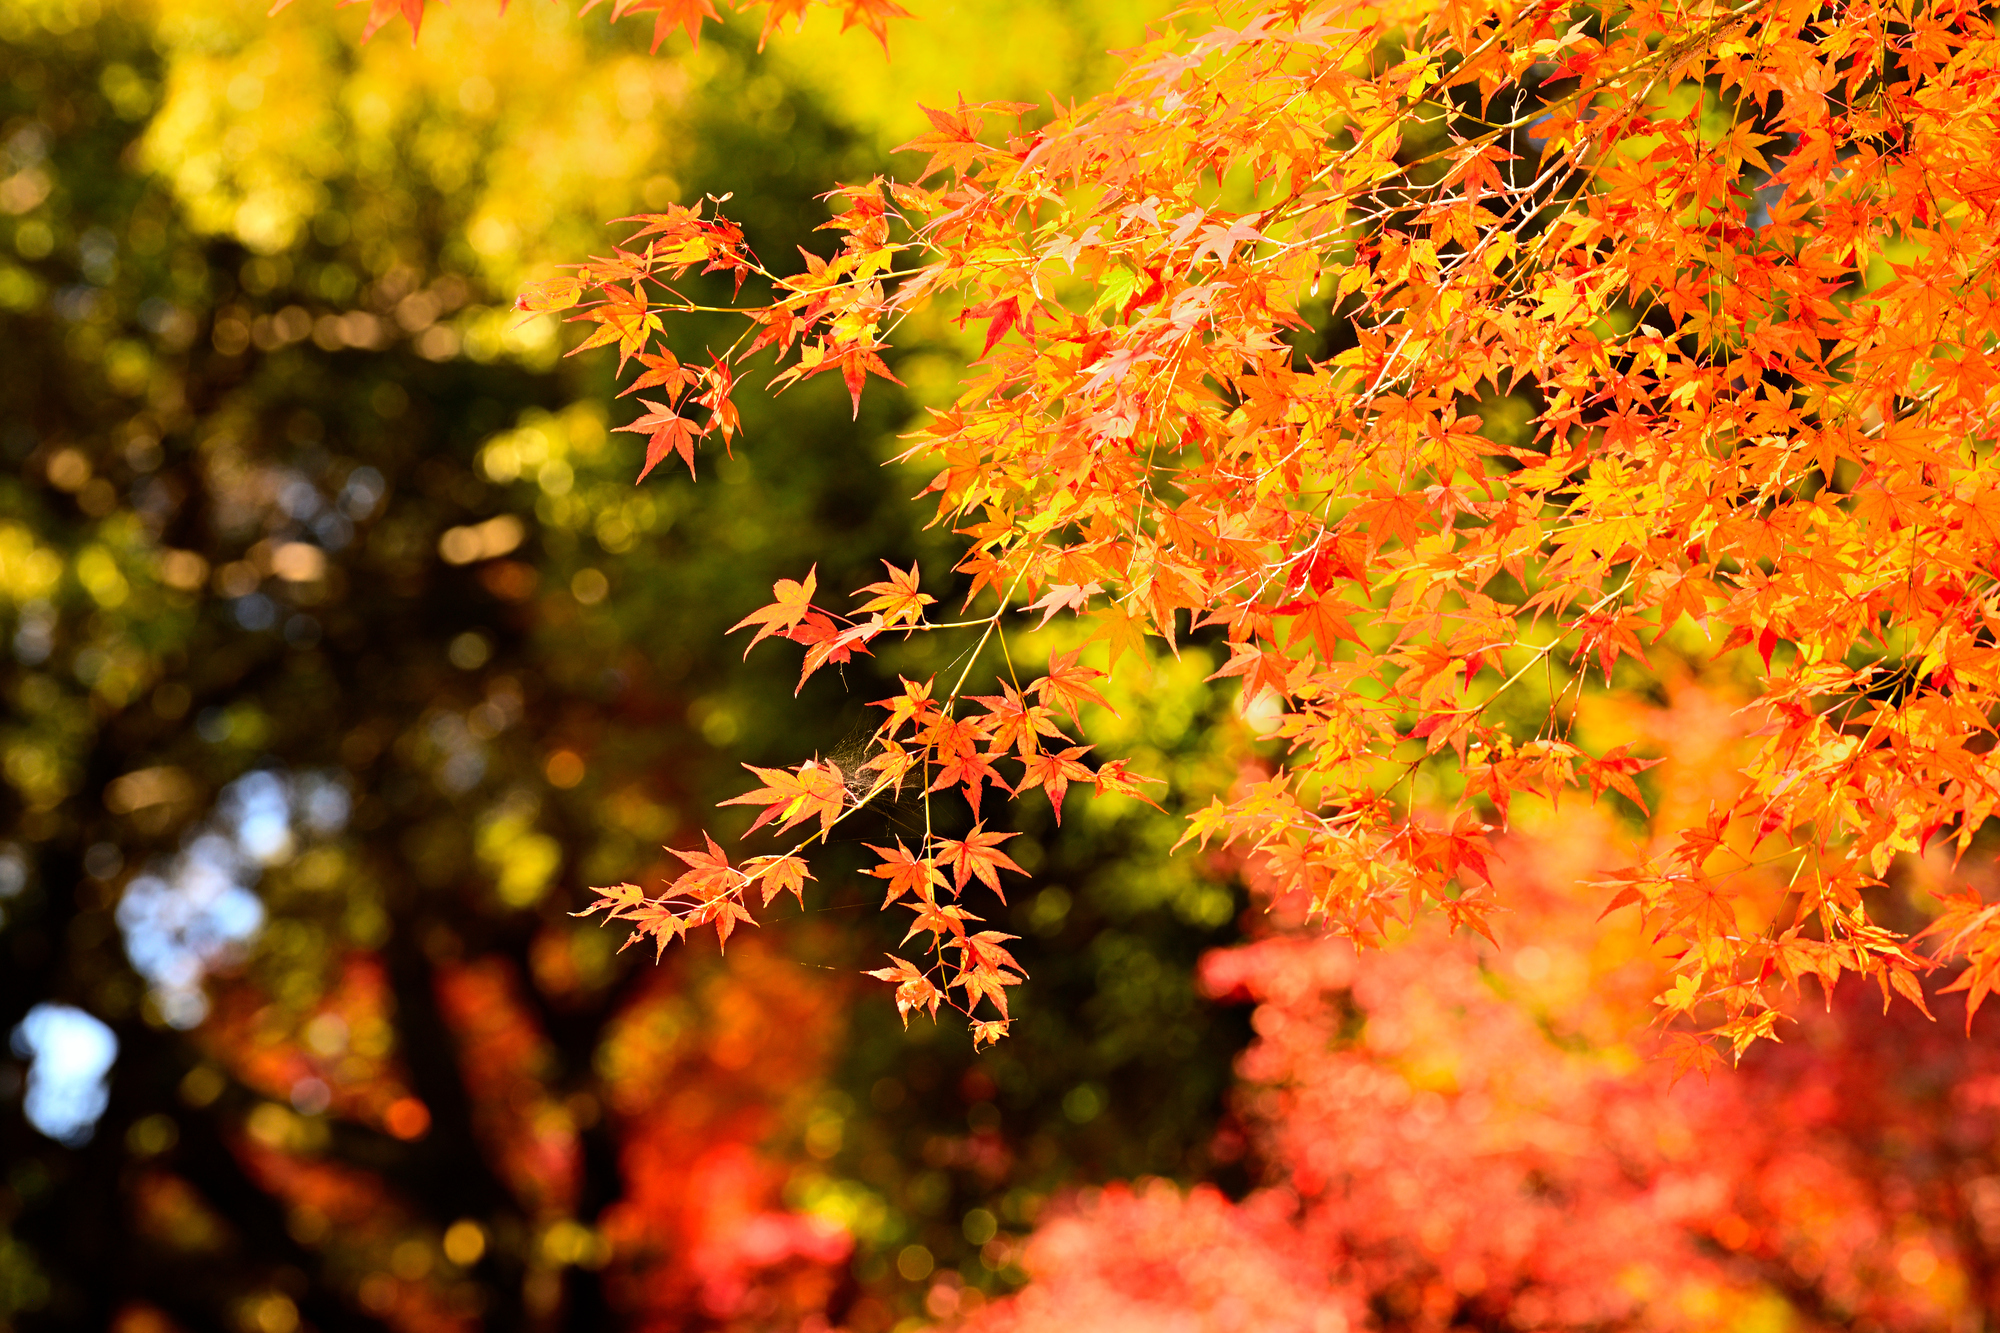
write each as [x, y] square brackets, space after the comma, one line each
[1740, 257]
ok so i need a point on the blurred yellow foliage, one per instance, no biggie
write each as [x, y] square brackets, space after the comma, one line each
[545, 125]
[987, 50]
[548, 125]
[27, 570]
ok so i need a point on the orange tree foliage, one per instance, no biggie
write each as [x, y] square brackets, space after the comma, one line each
[1454, 1135]
[1434, 1158]
[1737, 261]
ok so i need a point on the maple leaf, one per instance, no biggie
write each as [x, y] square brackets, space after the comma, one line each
[873, 15]
[816, 789]
[987, 949]
[1067, 685]
[1062, 597]
[978, 854]
[543, 297]
[1691, 1055]
[897, 599]
[661, 370]
[892, 761]
[723, 914]
[712, 883]
[827, 642]
[856, 365]
[905, 873]
[1112, 777]
[1969, 928]
[709, 873]
[1122, 633]
[792, 600]
[972, 768]
[616, 901]
[667, 432]
[914, 989]
[781, 328]
[913, 704]
[779, 874]
[951, 737]
[953, 142]
[1053, 773]
[1261, 668]
[379, 13]
[669, 14]
[1611, 635]
[1001, 314]
[940, 919]
[1016, 723]
[1392, 516]
[723, 416]
[657, 920]
[985, 983]
[1615, 770]
[1324, 620]
[622, 317]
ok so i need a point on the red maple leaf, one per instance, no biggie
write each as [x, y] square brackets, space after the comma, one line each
[667, 432]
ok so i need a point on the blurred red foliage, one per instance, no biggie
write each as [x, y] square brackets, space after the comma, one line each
[1453, 1133]
[700, 1080]
[702, 1073]
[1445, 1136]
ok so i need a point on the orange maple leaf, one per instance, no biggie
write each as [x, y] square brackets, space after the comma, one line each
[779, 874]
[662, 371]
[953, 141]
[1017, 723]
[972, 768]
[709, 874]
[1261, 668]
[978, 855]
[622, 317]
[793, 601]
[1062, 597]
[914, 990]
[542, 297]
[1068, 685]
[905, 873]
[913, 704]
[1053, 773]
[667, 432]
[618, 900]
[670, 14]
[897, 598]
[1112, 777]
[815, 789]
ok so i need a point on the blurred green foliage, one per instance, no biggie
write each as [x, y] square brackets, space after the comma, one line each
[289, 492]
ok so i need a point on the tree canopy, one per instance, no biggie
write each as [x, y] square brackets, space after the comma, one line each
[1347, 448]
[1430, 359]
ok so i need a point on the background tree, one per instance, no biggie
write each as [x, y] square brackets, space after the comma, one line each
[342, 655]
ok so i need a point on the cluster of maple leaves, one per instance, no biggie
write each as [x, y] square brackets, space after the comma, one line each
[950, 752]
[1740, 257]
